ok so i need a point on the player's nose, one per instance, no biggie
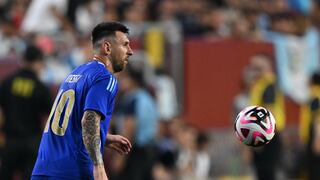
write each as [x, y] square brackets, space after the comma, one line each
[130, 52]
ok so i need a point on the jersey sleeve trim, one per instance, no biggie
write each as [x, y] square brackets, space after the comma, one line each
[112, 84]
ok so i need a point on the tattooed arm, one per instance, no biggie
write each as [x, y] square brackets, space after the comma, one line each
[91, 138]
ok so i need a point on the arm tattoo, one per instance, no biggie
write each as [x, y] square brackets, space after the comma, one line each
[91, 135]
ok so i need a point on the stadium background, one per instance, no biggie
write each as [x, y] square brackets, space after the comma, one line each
[202, 47]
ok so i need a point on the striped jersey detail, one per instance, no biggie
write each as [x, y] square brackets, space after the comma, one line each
[112, 84]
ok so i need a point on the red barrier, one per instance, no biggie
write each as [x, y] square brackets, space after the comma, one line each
[213, 71]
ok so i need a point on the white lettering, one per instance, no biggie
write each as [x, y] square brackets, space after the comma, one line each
[73, 78]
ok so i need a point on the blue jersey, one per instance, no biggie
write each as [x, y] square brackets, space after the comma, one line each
[62, 152]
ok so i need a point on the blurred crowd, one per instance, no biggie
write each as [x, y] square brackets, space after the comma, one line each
[169, 147]
[62, 28]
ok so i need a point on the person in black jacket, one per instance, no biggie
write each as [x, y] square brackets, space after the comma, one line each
[25, 101]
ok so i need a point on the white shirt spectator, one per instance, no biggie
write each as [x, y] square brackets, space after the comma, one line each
[88, 15]
[202, 165]
[166, 97]
[40, 18]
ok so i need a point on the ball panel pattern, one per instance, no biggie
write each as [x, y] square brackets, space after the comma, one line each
[255, 126]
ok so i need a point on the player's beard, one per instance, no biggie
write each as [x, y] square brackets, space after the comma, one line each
[117, 65]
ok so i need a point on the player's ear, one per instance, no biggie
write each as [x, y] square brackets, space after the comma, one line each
[106, 47]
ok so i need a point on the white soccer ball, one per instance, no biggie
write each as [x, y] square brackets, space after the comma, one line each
[255, 126]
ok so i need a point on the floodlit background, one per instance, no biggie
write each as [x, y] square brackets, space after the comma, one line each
[195, 56]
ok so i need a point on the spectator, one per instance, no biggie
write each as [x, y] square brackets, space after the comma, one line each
[186, 138]
[137, 119]
[25, 101]
[264, 92]
[88, 15]
[296, 53]
[310, 128]
[165, 91]
[202, 159]
[11, 44]
[50, 12]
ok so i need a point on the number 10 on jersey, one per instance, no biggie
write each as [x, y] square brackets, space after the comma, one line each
[63, 103]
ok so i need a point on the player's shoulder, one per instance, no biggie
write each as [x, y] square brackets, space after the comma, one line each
[112, 83]
[95, 70]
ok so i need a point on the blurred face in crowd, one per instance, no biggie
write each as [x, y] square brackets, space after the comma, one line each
[120, 51]
[260, 65]
[241, 28]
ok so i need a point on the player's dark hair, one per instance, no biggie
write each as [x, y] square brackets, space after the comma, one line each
[32, 53]
[105, 29]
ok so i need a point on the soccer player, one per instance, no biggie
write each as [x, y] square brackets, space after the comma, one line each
[77, 128]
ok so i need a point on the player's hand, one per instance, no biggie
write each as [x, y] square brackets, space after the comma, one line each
[99, 173]
[118, 143]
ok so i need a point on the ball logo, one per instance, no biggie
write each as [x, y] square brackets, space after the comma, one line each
[260, 114]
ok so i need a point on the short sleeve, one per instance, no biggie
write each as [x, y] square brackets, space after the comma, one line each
[98, 97]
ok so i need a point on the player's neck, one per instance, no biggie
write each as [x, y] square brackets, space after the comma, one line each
[105, 61]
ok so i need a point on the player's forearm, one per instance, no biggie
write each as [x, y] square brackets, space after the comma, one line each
[91, 136]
